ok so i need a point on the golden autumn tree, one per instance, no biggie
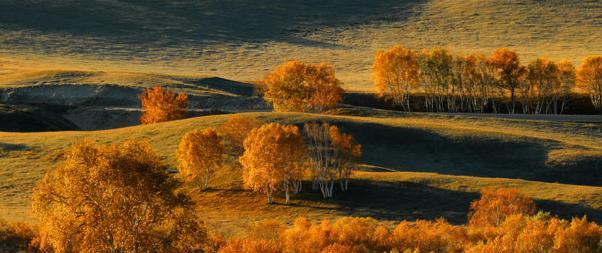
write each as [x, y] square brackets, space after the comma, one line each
[199, 154]
[543, 87]
[567, 77]
[236, 129]
[589, 79]
[159, 105]
[395, 74]
[496, 204]
[509, 70]
[115, 198]
[332, 155]
[273, 159]
[296, 86]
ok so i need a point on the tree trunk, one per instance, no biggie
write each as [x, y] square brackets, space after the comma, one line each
[269, 192]
[513, 98]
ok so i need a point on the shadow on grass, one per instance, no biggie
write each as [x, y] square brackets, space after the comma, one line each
[8, 147]
[411, 201]
[422, 150]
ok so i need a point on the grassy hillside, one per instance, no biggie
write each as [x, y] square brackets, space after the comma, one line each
[441, 163]
[242, 40]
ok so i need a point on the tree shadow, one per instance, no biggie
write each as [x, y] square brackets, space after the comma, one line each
[8, 147]
[421, 150]
[410, 201]
[216, 83]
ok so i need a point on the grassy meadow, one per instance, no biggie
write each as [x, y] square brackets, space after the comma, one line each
[414, 166]
[203, 37]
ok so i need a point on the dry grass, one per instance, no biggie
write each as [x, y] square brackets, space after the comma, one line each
[192, 37]
[443, 162]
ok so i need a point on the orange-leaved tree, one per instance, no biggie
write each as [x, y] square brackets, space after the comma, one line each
[589, 79]
[159, 105]
[273, 159]
[496, 204]
[395, 74]
[199, 154]
[509, 71]
[296, 86]
[236, 129]
[115, 198]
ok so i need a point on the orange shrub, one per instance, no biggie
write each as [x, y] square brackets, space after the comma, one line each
[159, 105]
[427, 236]
[533, 234]
[496, 204]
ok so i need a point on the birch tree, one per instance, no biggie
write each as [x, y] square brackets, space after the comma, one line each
[590, 79]
[395, 74]
[199, 154]
[509, 70]
[332, 154]
[273, 160]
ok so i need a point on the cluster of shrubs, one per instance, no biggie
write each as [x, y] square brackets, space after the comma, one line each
[518, 233]
[502, 221]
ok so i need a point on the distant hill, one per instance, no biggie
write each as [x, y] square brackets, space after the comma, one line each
[242, 39]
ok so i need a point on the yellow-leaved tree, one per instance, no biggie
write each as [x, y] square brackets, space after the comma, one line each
[395, 74]
[332, 155]
[159, 105]
[589, 79]
[273, 159]
[115, 198]
[199, 154]
[296, 86]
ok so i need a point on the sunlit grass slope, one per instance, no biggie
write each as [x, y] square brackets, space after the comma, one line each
[243, 39]
[442, 162]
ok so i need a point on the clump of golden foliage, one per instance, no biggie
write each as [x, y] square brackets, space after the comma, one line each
[299, 87]
[199, 154]
[114, 198]
[160, 105]
[518, 231]
[273, 159]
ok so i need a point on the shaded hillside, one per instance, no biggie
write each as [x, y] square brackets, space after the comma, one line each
[241, 40]
[92, 100]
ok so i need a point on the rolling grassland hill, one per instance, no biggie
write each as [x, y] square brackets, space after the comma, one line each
[413, 166]
[242, 40]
